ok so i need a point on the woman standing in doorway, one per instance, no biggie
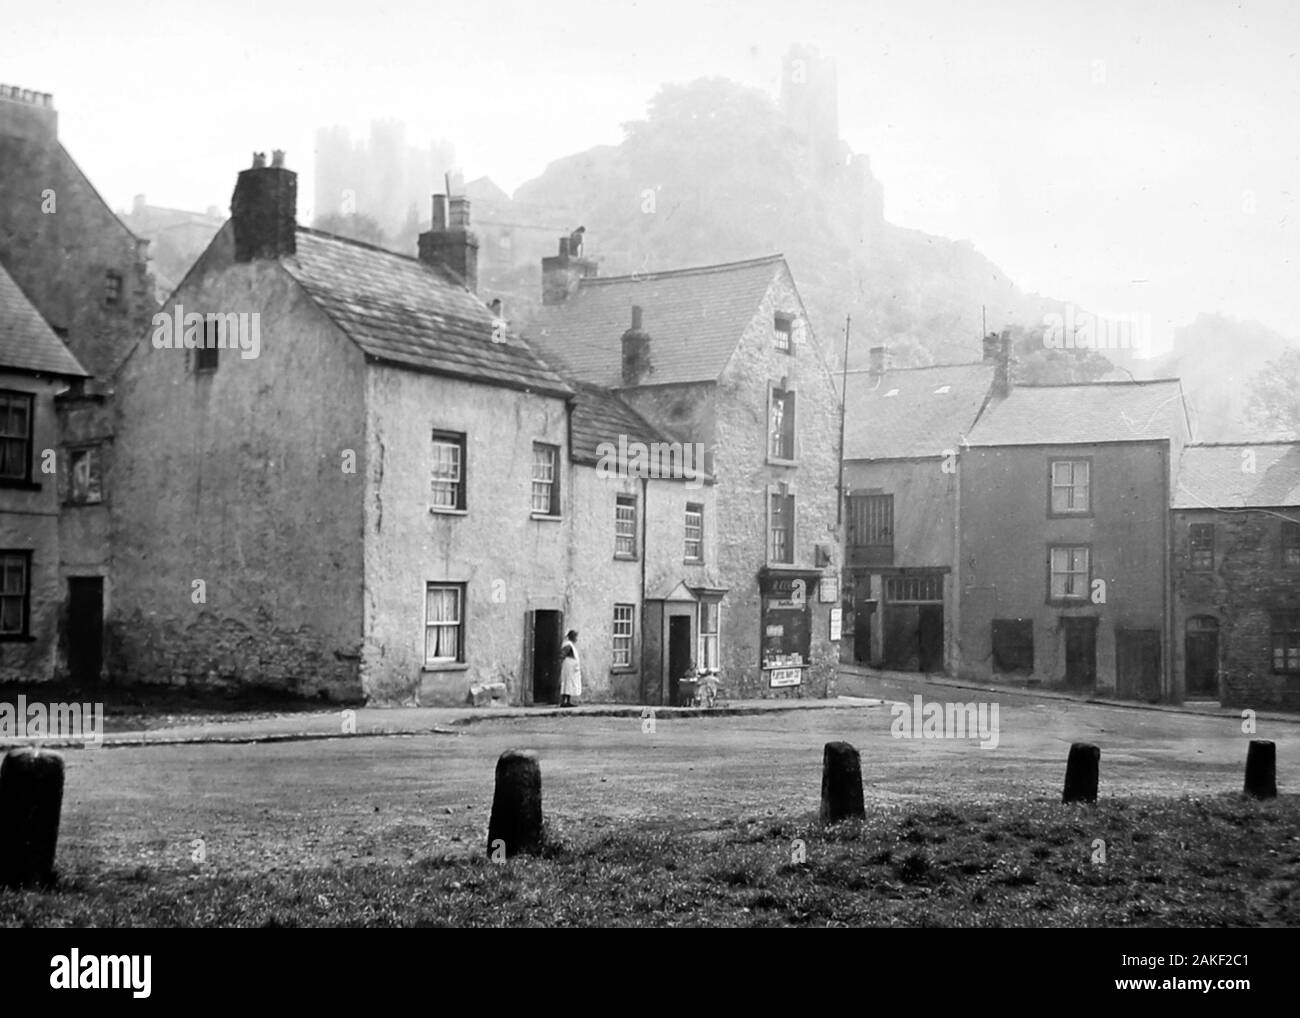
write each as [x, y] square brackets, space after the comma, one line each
[570, 670]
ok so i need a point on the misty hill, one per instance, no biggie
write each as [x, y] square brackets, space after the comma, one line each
[1218, 359]
[720, 172]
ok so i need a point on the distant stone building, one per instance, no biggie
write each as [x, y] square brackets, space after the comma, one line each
[1064, 537]
[902, 449]
[176, 239]
[1236, 574]
[722, 355]
[382, 176]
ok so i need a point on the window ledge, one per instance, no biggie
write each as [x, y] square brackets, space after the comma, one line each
[625, 558]
[21, 485]
[777, 461]
[692, 561]
[456, 666]
[623, 669]
[81, 503]
[545, 516]
[16, 638]
[437, 510]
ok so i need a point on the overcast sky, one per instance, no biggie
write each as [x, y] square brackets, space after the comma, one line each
[1132, 157]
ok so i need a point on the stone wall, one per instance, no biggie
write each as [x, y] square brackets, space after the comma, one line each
[1006, 532]
[240, 478]
[509, 561]
[29, 523]
[745, 479]
[1243, 590]
[60, 240]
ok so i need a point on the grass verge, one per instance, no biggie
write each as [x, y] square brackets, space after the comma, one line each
[1223, 861]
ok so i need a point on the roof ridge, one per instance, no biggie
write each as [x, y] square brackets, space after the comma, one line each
[1244, 442]
[1095, 384]
[325, 234]
[923, 367]
[692, 270]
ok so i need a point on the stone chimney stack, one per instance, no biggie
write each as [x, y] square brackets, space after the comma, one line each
[28, 114]
[876, 368]
[264, 210]
[636, 352]
[563, 273]
[1003, 366]
[450, 244]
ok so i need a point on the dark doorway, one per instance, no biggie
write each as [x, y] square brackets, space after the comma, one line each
[1202, 652]
[914, 637]
[85, 628]
[863, 615]
[548, 634]
[1137, 660]
[679, 652]
[929, 637]
[902, 648]
[1080, 653]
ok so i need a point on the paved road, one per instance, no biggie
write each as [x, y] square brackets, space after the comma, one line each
[295, 803]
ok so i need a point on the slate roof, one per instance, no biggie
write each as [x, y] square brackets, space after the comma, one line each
[1211, 476]
[694, 317]
[1085, 413]
[600, 416]
[904, 414]
[27, 343]
[404, 312]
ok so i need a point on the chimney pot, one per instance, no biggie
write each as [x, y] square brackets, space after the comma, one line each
[459, 212]
[563, 273]
[264, 211]
[636, 351]
[277, 158]
[877, 363]
[449, 243]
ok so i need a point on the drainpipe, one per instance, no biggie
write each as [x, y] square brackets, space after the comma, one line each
[1172, 694]
[645, 527]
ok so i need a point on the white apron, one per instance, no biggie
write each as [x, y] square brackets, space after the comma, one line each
[570, 672]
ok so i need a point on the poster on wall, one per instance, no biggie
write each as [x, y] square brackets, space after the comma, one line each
[828, 590]
[785, 677]
[837, 622]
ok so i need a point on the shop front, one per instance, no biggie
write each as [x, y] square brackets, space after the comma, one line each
[788, 596]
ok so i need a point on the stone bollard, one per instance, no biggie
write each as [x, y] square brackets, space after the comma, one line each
[1081, 771]
[1261, 769]
[31, 796]
[516, 805]
[841, 783]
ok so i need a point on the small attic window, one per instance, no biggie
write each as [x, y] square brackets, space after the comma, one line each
[891, 392]
[112, 289]
[783, 331]
[942, 390]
